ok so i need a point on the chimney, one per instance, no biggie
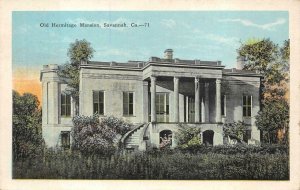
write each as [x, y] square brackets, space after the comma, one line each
[83, 62]
[168, 54]
[240, 62]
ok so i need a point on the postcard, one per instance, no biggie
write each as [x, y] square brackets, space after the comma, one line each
[182, 95]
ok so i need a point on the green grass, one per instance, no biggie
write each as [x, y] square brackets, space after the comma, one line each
[155, 165]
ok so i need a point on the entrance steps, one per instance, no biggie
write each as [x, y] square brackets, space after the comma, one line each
[133, 140]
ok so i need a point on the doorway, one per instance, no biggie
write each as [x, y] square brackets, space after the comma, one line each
[208, 137]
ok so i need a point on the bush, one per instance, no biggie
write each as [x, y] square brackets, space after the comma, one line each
[238, 149]
[119, 125]
[236, 130]
[188, 137]
[155, 164]
[91, 136]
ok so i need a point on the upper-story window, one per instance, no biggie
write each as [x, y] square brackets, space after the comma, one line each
[223, 105]
[65, 107]
[98, 102]
[127, 103]
[247, 106]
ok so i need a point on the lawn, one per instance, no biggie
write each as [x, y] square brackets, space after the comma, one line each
[174, 164]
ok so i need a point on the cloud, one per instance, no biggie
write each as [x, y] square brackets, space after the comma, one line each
[198, 36]
[169, 23]
[267, 26]
[231, 41]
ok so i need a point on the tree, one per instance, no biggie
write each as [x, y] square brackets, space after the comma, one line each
[274, 119]
[27, 128]
[78, 52]
[285, 55]
[272, 61]
[267, 58]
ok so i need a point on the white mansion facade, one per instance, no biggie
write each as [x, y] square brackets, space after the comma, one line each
[158, 96]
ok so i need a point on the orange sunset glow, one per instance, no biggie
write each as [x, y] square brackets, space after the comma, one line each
[27, 80]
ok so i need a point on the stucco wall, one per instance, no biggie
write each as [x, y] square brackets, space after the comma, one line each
[52, 122]
[51, 134]
[239, 86]
[155, 129]
[113, 85]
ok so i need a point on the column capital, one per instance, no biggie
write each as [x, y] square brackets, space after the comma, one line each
[176, 79]
[153, 78]
[145, 83]
[218, 81]
[197, 79]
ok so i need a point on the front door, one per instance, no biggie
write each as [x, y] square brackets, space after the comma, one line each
[162, 107]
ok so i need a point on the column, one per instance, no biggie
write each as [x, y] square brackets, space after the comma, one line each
[153, 94]
[145, 102]
[54, 96]
[197, 100]
[218, 100]
[45, 103]
[202, 110]
[176, 99]
[206, 102]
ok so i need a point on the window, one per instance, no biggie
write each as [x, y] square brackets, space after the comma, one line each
[223, 105]
[65, 139]
[65, 109]
[98, 102]
[247, 105]
[127, 103]
[162, 107]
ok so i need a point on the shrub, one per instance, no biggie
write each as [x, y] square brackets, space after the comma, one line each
[155, 165]
[91, 136]
[188, 137]
[237, 149]
[235, 130]
[119, 125]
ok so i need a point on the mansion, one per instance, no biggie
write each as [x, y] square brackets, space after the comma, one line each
[158, 96]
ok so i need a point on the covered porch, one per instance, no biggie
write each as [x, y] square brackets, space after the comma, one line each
[184, 100]
[177, 92]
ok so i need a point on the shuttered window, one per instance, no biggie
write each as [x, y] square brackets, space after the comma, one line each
[98, 102]
[247, 106]
[65, 107]
[127, 103]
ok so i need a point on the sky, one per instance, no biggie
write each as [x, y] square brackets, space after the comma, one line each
[204, 35]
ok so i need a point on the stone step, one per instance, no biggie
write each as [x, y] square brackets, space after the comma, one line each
[132, 142]
[134, 137]
[131, 145]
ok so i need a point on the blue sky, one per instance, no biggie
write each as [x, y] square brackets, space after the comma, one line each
[204, 35]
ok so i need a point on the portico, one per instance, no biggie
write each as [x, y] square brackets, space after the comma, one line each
[201, 100]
